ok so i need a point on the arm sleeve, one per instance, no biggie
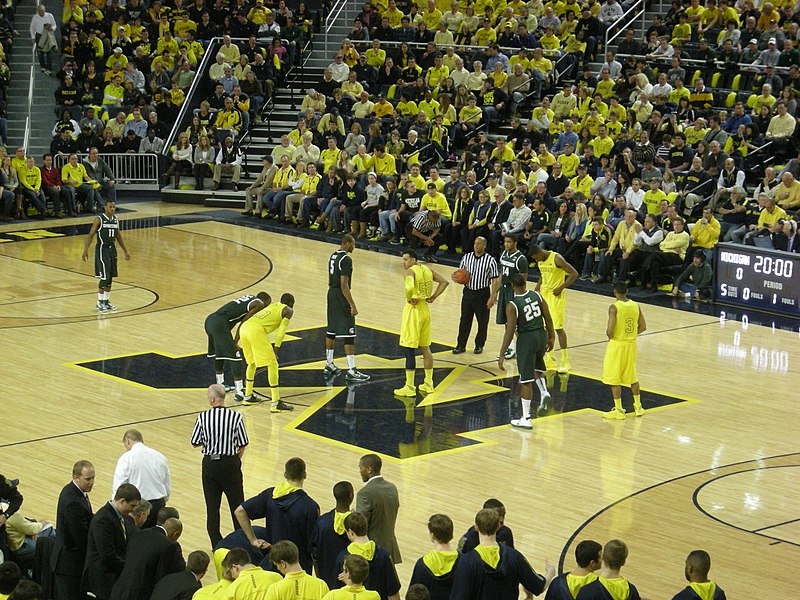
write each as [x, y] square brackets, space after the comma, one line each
[281, 332]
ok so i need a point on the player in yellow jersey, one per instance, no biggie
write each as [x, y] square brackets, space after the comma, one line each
[625, 323]
[296, 582]
[260, 352]
[556, 276]
[218, 590]
[354, 572]
[415, 329]
[249, 581]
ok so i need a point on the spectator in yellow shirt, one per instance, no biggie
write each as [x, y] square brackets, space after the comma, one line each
[705, 234]
[485, 36]
[376, 56]
[30, 179]
[435, 200]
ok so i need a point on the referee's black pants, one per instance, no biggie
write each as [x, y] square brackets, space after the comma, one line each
[222, 475]
[473, 304]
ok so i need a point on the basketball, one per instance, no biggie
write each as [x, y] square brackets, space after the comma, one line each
[460, 276]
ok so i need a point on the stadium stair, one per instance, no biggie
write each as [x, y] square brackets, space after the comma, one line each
[42, 115]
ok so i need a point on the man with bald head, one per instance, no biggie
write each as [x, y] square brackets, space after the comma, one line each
[220, 432]
[151, 555]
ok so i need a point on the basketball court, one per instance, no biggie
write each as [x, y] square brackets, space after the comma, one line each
[711, 465]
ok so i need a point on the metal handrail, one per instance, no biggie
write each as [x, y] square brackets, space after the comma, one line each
[333, 16]
[31, 87]
[624, 19]
[717, 63]
[392, 43]
[187, 103]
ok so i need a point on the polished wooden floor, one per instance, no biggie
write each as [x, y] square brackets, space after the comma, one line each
[719, 472]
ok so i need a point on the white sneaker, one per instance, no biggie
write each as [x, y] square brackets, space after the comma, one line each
[522, 423]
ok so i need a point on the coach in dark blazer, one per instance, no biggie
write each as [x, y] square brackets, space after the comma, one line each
[379, 502]
[152, 555]
[73, 515]
[183, 585]
[109, 532]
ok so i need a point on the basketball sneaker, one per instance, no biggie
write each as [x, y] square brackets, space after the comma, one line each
[637, 408]
[228, 388]
[238, 397]
[110, 307]
[101, 307]
[510, 353]
[564, 366]
[355, 376]
[280, 406]
[250, 400]
[522, 423]
[331, 370]
[426, 388]
[406, 391]
[549, 362]
[614, 414]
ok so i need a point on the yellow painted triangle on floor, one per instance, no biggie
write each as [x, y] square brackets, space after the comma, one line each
[467, 388]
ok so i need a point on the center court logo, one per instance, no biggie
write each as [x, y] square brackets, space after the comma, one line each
[467, 400]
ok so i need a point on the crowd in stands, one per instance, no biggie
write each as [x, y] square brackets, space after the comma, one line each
[131, 556]
[417, 134]
[123, 74]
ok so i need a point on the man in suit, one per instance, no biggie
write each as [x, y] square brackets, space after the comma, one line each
[183, 585]
[73, 515]
[109, 532]
[379, 502]
[151, 556]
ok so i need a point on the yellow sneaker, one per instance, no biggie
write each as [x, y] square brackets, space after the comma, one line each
[426, 388]
[406, 391]
[637, 408]
[564, 367]
[614, 414]
[550, 361]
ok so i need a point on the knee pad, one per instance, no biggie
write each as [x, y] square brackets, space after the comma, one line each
[411, 362]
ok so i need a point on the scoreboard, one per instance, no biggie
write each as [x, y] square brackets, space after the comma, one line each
[757, 278]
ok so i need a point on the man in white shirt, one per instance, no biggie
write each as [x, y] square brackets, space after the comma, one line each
[610, 12]
[612, 64]
[145, 468]
[459, 74]
[43, 23]
[339, 68]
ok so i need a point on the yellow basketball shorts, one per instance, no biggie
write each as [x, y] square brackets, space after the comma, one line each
[619, 364]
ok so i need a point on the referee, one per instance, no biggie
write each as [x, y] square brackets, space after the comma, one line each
[221, 433]
[478, 296]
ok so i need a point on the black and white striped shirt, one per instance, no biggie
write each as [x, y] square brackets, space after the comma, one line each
[482, 269]
[423, 224]
[220, 431]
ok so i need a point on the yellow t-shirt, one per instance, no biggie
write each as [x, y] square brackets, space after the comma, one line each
[215, 591]
[569, 163]
[253, 583]
[356, 592]
[297, 585]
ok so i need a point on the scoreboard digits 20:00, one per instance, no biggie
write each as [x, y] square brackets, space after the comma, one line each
[758, 278]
